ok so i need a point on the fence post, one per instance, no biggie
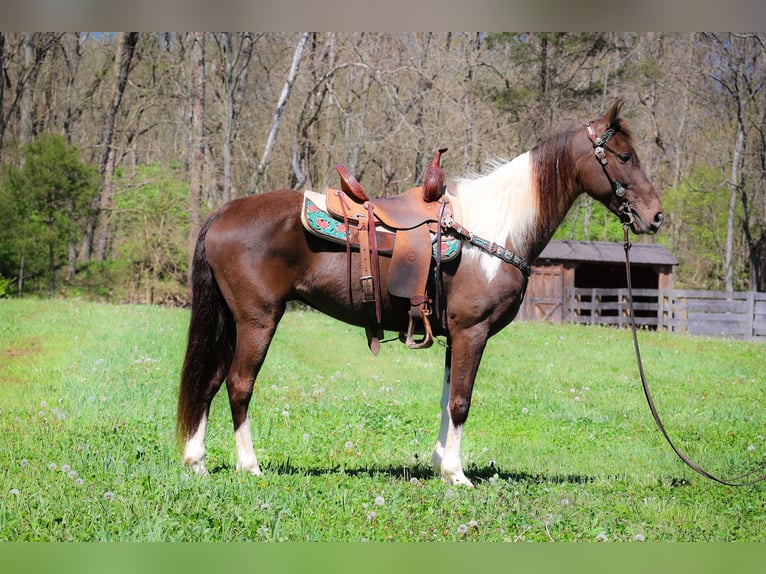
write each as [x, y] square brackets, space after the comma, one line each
[750, 332]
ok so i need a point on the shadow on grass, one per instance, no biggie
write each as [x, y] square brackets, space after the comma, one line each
[420, 472]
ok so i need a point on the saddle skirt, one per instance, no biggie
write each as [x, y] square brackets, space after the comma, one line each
[318, 221]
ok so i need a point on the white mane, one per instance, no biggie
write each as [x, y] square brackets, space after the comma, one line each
[500, 206]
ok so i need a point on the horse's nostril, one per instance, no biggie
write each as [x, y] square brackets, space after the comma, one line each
[658, 220]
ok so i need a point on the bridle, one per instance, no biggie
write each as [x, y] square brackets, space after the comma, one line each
[599, 149]
[626, 216]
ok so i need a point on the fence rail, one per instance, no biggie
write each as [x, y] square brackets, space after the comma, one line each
[737, 314]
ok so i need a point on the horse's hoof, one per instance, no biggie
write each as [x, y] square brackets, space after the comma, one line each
[255, 470]
[457, 479]
[199, 468]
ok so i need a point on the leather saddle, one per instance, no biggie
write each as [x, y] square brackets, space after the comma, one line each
[414, 217]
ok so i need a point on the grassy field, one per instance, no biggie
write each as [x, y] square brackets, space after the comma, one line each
[560, 443]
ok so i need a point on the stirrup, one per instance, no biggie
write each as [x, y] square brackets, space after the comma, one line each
[428, 337]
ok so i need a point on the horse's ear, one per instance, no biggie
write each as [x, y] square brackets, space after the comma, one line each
[610, 117]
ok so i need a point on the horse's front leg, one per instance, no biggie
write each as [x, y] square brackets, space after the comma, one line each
[460, 367]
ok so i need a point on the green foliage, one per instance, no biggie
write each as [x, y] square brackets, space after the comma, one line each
[45, 202]
[5, 286]
[699, 207]
[151, 230]
[589, 220]
[560, 443]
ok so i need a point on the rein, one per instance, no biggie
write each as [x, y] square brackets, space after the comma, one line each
[736, 481]
[626, 216]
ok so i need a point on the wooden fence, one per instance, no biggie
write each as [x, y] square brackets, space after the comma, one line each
[735, 314]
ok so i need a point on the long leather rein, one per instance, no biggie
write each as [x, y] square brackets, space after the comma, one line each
[599, 143]
[741, 480]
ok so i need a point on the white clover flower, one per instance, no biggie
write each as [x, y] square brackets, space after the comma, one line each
[66, 468]
[751, 447]
[414, 481]
[349, 445]
[473, 524]
[306, 436]
[14, 492]
[639, 537]
[24, 462]
[379, 501]
[524, 410]
[108, 496]
[602, 537]
[52, 466]
[462, 529]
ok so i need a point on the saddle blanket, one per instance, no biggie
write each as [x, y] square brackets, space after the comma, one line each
[318, 222]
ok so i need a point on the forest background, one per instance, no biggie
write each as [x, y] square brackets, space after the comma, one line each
[114, 147]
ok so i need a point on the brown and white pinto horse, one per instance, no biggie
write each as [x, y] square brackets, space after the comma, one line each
[253, 256]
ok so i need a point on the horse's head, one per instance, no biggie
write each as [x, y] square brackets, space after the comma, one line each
[610, 171]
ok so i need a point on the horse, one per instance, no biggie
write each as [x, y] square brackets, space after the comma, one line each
[253, 256]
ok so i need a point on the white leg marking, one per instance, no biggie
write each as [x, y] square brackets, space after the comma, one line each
[246, 459]
[438, 455]
[194, 452]
[446, 456]
[452, 468]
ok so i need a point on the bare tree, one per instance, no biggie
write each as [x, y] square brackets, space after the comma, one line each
[237, 49]
[97, 231]
[292, 73]
[197, 140]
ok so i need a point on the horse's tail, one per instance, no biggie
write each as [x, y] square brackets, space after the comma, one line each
[210, 346]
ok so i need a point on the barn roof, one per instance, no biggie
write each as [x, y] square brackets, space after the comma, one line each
[606, 252]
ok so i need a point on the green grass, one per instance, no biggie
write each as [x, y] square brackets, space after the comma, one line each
[560, 443]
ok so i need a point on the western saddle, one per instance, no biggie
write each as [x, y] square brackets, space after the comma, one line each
[414, 216]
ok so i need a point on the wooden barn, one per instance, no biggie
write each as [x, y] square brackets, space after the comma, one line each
[566, 269]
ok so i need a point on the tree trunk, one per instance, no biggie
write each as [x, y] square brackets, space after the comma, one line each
[196, 164]
[739, 150]
[2, 92]
[27, 102]
[236, 62]
[228, 127]
[264, 164]
[97, 230]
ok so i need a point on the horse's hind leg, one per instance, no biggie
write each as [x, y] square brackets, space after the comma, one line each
[253, 340]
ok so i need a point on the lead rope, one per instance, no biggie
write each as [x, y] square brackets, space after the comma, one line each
[736, 481]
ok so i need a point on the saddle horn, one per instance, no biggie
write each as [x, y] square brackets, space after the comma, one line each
[433, 182]
[349, 184]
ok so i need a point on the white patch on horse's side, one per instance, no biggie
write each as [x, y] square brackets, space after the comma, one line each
[246, 459]
[500, 206]
[194, 451]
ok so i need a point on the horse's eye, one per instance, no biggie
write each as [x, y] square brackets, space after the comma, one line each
[623, 157]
